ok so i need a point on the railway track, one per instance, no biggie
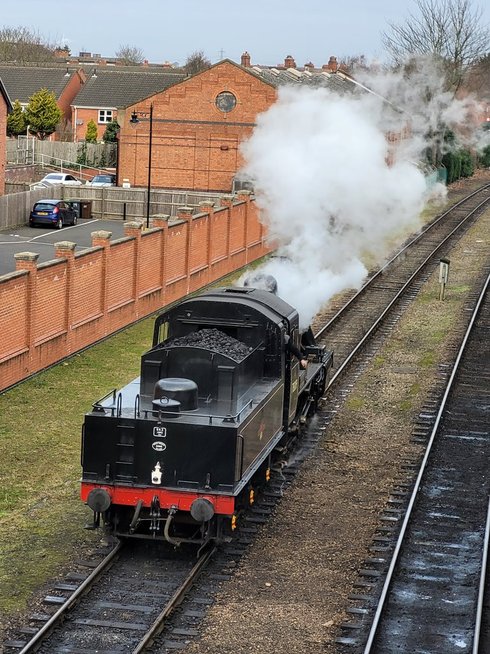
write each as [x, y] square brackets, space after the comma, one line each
[126, 619]
[397, 282]
[133, 592]
[436, 582]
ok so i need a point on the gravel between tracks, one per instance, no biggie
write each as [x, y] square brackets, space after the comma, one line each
[290, 592]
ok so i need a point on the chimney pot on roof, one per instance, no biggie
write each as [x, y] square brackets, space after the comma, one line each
[310, 66]
[289, 62]
[332, 65]
[245, 59]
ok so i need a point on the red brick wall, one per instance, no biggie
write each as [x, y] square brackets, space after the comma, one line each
[194, 144]
[85, 115]
[57, 308]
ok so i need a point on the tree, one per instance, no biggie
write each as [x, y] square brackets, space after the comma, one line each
[42, 113]
[446, 29]
[20, 45]
[110, 134]
[16, 121]
[196, 62]
[91, 133]
[130, 55]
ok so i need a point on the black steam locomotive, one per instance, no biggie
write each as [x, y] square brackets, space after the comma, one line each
[180, 452]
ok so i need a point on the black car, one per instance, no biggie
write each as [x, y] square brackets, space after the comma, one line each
[52, 212]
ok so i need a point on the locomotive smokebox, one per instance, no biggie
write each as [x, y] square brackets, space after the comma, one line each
[181, 390]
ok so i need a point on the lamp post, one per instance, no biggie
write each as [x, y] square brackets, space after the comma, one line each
[134, 120]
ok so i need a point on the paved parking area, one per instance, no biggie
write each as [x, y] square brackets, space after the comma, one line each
[40, 240]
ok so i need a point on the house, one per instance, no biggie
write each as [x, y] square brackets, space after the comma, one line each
[5, 109]
[197, 124]
[22, 82]
[107, 90]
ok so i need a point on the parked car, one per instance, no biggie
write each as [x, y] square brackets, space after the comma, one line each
[61, 178]
[52, 212]
[102, 180]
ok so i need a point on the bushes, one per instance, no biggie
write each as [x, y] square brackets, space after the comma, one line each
[458, 163]
[484, 158]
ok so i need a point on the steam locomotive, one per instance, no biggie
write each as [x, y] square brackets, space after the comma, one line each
[180, 452]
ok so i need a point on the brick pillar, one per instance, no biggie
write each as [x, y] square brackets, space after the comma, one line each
[133, 230]
[185, 213]
[227, 201]
[161, 221]
[28, 261]
[207, 206]
[66, 250]
[102, 239]
[244, 196]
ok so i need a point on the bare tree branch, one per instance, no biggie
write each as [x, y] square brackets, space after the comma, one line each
[196, 62]
[20, 45]
[447, 29]
[130, 55]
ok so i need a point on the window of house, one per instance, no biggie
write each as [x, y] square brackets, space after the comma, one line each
[105, 115]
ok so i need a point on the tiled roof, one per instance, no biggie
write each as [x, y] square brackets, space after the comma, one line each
[23, 81]
[337, 81]
[117, 89]
[3, 92]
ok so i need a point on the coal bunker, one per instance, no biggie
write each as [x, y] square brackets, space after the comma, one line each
[215, 341]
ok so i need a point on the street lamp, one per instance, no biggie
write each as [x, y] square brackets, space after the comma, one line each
[134, 120]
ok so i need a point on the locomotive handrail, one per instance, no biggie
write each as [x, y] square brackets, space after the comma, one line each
[227, 418]
[241, 440]
[137, 404]
[119, 406]
[104, 397]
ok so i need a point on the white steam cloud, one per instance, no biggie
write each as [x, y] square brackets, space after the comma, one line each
[327, 194]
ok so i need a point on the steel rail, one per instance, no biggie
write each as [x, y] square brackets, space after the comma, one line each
[395, 299]
[174, 601]
[74, 597]
[382, 270]
[401, 536]
[481, 589]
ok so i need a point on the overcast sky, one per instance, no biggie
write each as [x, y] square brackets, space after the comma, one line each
[170, 31]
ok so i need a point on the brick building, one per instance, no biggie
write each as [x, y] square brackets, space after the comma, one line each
[21, 82]
[5, 109]
[108, 89]
[198, 124]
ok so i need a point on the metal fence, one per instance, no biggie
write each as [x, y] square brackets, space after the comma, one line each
[107, 203]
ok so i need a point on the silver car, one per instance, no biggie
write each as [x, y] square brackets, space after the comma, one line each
[102, 180]
[60, 178]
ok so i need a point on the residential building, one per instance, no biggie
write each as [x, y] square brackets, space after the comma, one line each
[5, 109]
[21, 82]
[107, 90]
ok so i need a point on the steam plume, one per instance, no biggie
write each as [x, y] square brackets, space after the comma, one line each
[327, 194]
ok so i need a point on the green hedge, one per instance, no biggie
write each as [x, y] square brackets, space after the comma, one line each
[458, 164]
[484, 158]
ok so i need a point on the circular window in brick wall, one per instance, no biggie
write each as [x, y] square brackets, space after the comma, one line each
[225, 101]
